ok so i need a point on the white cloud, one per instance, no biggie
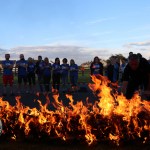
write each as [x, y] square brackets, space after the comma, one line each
[139, 47]
[145, 43]
[79, 54]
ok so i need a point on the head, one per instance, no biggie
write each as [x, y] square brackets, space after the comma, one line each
[7, 56]
[108, 62]
[96, 59]
[134, 62]
[30, 60]
[117, 59]
[57, 60]
[46, 60]
[139, 55]
[72, 62]
[21, 56]
[130, 53]
[39, 58]
[124, 60]
[64, 60]
[113, 60]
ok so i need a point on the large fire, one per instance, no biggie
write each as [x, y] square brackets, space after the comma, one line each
[112, 117]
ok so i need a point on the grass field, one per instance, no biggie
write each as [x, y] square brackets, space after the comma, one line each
[83, 79]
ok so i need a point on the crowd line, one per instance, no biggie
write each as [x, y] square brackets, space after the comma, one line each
[133, 73]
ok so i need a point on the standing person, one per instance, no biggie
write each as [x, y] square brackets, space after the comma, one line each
[39, 72]
[47, 74]
[22, 72]
[144, 62]
[122, 67]
[7, 66]
[64, 73]
[134, 76]
[109, 70]
[115, 69]
[96, 67]
[31, 74]
[56, 74]
[73, 74]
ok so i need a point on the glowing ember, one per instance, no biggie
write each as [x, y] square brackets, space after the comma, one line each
[112, 117]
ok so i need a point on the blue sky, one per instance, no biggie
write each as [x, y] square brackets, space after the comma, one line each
[117, 26]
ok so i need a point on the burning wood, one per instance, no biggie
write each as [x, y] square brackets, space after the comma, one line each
[112, 117]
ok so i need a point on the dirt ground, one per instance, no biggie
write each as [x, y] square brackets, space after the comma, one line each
[74, 146]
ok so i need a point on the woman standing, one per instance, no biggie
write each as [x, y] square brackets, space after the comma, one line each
[73, 73]
[56, 74]
[64, 73]
[31, 74]
[96, 67]
[46, 74]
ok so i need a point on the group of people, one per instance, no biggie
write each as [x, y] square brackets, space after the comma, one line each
[133, 73]
[28, 70]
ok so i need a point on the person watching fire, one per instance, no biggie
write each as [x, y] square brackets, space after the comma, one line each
[22, 72]
[31, 75]
[64, 74]
[96, 67]
[47, 75]
[73, 75]
[135, 74]
[7, 66]
[39, 71]
[56, 68]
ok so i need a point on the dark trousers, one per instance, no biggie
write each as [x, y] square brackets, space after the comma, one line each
[31, 78]
[56, 81]
[73, 80]
[40, 82]
[46, 80]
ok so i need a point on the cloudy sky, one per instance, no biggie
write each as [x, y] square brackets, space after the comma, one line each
[79, 29]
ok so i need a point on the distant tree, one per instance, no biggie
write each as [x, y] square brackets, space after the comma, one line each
[119, 56]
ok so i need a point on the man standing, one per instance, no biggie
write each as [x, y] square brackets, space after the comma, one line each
[134, 76]
[22, 72]
[7, 66]
[39, 72]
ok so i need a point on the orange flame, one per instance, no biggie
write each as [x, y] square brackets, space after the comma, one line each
[111, 117]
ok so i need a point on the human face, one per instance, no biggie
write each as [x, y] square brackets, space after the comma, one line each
[96, 60]
[21, 56]
[134, 64]
[46, 60]
[57, 61]
[7, 56]
[39, 58]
